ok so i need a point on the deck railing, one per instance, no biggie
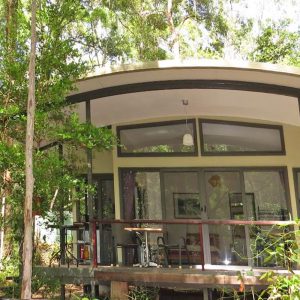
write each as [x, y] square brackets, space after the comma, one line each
[189, 242]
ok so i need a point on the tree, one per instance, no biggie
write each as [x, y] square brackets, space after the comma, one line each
[58, 65]
[130, 31]
[277, 44]
[27, 244]
[74, 36]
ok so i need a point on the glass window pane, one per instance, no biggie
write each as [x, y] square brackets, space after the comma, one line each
[225, 201]
[141, 195]
[182, 198]
[182, 201]
[224, 198]
[107, 199]
[268, 190]
[164, 139]
[226, 138]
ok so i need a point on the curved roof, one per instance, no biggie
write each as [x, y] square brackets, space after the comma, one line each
[214, 88]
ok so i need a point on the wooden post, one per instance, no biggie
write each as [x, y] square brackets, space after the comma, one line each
[118, 290]
[62, 292]
[63, 244]
[90, 198]
[62, 229]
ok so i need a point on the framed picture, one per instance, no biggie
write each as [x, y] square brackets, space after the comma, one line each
[187, 205]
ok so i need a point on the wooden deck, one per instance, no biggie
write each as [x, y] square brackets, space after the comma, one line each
[184, 277]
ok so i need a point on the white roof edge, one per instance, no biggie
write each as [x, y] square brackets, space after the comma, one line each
[197, 63]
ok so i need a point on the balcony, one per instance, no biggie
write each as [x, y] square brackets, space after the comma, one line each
[143, 252]
[199, 244]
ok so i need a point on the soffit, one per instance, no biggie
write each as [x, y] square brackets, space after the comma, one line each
[141, 92]
[142, 106]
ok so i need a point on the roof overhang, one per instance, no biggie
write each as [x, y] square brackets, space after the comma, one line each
[214, 88]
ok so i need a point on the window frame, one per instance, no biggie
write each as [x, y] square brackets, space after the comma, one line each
[201, 170]
[241, 153]
[158, 154]
[296, 175]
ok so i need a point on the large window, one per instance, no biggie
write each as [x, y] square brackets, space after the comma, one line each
[157, 139]
[232, 138]
[240, 193]
[214, 194]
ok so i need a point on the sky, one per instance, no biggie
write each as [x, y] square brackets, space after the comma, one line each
[269, 9]
[262, 12]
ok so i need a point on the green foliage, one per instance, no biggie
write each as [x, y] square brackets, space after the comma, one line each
[9, 274]
[59, 64]
[281, 286]
[127, 31]
[85, 135]
[278, 246]
[275, 246]
[143, 293]
[277, 44]
[48, 287]
[284, 247]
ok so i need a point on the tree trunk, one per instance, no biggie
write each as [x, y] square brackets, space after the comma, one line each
[174, 43]
[27, 246]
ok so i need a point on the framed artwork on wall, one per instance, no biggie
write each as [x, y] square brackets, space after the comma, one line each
[187, 206]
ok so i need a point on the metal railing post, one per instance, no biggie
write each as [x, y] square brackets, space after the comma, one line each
[201, 246]
[94, 243]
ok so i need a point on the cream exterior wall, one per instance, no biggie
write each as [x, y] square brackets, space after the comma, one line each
[109, 162]
[191, 69]
[102, 162]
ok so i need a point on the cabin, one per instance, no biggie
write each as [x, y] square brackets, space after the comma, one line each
[208, 162]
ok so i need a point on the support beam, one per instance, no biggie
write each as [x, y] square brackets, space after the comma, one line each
[177, 277]
[62, 292]
[90, 199]
[118, 290]
[62, 218]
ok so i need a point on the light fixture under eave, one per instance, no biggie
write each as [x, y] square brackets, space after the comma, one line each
[188, 139]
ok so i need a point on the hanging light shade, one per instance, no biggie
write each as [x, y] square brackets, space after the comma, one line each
[187, 139]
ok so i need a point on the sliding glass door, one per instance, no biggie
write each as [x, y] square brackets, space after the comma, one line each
[208, 193]
[183, 200]
[223, 193]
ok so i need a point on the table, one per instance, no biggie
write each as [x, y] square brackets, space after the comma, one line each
[146, 230]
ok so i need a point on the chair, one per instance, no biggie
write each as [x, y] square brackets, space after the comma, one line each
[173, 252]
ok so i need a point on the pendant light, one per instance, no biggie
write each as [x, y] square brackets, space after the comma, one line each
[187, 139]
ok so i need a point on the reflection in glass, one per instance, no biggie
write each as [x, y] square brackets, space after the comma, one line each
[141, 195]
[224, 201]
[105, 209]
[269, 194]
[222, 138]
[157, 138]
[270, 204]
[182, 201]
[107, 199]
